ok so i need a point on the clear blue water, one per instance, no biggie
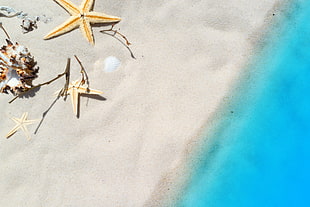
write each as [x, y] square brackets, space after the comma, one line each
[259, 154]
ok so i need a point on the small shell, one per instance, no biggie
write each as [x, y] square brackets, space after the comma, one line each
[111, 63]
[28, 25]
[17, 68]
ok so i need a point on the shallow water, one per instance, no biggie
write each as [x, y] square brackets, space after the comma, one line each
[260, 153]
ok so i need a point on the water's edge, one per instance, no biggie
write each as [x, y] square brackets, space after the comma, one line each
[209, 145]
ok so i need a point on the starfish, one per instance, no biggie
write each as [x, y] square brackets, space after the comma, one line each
[82, 17]
[21, 124]
[76, 88]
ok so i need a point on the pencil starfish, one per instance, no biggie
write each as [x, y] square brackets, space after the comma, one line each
[82, 17]
[76, 88]
[21, 124]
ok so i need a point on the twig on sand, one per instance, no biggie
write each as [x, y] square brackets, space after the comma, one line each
[83, 72]
[114, 33]
[7, 35]
[63, 91]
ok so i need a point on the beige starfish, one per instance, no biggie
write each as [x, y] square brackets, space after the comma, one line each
[81, 17]
[21, 124]
[74, 89]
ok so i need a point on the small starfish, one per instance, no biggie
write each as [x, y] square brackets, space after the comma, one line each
[21, 124]
[81, 17]
[74, 89]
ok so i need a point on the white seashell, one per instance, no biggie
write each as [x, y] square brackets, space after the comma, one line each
[111, 63]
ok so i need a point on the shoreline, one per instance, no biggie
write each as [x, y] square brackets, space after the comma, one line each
[266, 44]
[200, 144]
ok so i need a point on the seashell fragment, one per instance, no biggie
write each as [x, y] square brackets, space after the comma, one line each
[111, 63]
[8, 12]
[17, 68]
[29, 25]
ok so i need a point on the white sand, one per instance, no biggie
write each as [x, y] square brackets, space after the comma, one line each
[125, 151]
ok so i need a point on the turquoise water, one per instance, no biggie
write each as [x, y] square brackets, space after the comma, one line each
[260, 152]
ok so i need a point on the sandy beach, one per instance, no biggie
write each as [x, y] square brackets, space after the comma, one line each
[129, 147]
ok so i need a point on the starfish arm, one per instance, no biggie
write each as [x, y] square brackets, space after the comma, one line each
[87, 31]
[8, 135]
[89, 91]
[74, 100]
[97, 17]
[92, 91]
[16, 120]
[86, 5]
[68, 6]
[72, 23]
[24, 116]
[27, 122]
[26, 132]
